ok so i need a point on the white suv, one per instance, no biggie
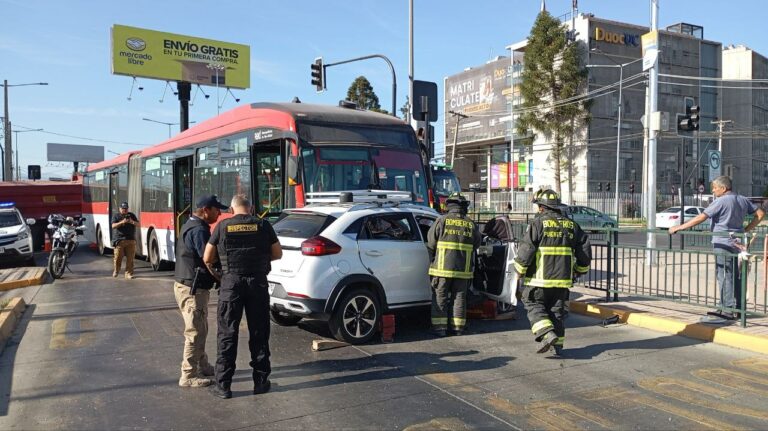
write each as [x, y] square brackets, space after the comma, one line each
[15, 235]
[350, 259]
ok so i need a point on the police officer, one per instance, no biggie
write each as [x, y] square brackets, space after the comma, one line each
[451, 242]
[192, 290]
[244, 245]
[552, 252]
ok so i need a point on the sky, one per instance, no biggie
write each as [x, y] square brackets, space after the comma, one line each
[67, 45]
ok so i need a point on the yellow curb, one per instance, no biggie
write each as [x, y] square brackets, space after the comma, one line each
[9, 317]
[33, 280]
[699, 331]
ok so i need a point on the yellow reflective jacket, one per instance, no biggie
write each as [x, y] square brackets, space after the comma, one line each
[551, 250]
[451, 241]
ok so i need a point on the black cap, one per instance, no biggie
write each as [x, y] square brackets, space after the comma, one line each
[210, 201]
[124, 205]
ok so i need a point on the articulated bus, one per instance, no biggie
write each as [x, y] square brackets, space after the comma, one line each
[274, 153]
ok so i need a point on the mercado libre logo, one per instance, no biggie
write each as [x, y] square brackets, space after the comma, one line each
[135, 44]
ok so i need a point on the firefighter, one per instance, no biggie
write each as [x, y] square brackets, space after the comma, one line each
[553, 251]
[451, 242]
[245, 245]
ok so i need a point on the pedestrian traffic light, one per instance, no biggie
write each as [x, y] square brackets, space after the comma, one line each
[599, 187]
[631, 187]
[607, 187]
[318, 74]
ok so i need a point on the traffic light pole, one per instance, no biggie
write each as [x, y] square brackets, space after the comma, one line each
[391, 68]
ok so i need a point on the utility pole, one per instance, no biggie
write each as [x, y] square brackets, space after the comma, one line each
[409, 117]
[8, 164]
[458, 117]
[653, 104]
[720, 124]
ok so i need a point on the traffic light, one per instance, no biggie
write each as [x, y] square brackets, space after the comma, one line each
[607, 187]
[599, 187]
[631, 187]
[690, 121]
[318, 74]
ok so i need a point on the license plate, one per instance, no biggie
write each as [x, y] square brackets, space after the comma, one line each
[271, 288]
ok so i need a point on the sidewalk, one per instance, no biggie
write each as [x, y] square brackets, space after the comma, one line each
[13, 278]
[672, 318]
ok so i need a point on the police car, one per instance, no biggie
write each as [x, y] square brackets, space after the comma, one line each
[349, 257]
[15, 235]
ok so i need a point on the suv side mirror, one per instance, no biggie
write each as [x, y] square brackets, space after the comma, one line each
[30, 221]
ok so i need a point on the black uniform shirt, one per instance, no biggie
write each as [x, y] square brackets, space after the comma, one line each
[264, 247]
[126, 231]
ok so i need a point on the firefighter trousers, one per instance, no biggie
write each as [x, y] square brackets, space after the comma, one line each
[238, 294]
[547, 308]
[449, 303]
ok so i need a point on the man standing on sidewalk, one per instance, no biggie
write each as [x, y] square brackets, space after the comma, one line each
[124, 240]
[193, 289]
[451, 242]
[551, 253]
[727, 212]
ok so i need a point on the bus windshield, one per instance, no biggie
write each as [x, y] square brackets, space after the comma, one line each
[446, 182]
[330, 168]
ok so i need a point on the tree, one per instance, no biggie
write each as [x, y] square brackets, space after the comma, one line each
[552, 72]
[361, 92]
[406, 107]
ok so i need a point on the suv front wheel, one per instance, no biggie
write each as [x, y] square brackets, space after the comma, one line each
[355, 319]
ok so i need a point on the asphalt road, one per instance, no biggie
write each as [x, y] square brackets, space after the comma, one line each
[93, 352]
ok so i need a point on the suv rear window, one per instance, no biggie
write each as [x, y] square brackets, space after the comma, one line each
[9, 219]
[302, 225]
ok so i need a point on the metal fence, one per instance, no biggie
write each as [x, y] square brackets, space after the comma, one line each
[680, 268]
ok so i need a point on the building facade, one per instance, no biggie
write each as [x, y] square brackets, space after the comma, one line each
[605, 46]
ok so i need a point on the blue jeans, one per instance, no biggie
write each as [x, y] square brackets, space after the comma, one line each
[728, 276]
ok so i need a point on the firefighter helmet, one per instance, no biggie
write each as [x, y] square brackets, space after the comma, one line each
[548, 198]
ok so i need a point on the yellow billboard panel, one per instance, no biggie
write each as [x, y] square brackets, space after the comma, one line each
[175, 57]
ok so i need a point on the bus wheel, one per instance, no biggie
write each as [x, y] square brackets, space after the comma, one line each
[154, 254]
[100, 242]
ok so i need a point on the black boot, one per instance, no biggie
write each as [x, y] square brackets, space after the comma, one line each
[221, 392]
[261, 386]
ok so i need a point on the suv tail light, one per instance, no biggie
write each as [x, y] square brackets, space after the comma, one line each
[319, 246]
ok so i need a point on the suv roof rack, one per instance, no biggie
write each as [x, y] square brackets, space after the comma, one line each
[360, 196]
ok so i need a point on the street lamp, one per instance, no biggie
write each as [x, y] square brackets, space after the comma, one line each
[166, 123]
[618, 125]
[8, 166]
[216, 68]
[17, 148]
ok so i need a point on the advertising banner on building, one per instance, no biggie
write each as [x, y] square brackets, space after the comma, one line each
[478, 93]
[153, 54]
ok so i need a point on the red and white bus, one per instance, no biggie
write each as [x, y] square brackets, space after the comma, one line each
[272, 152]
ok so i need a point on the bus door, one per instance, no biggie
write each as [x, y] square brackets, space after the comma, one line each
[114, 202]
[182, 192]
[267, 161]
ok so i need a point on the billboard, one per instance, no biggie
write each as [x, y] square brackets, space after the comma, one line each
[173, 57]
[480, 93]
[75, 153]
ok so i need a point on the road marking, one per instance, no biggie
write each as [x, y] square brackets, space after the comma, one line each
[562, 415]
[734, 379]
[442, 424]
[758, 365]
[81, 334]
[624, 399]
[689, 392]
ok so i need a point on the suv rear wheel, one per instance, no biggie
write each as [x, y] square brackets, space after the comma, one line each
[356, 317]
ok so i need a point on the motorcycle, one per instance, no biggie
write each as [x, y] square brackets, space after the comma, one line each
[63, 232]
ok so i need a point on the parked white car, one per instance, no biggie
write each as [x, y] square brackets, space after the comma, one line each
[671, 217]
[15, 235]
[350, 257]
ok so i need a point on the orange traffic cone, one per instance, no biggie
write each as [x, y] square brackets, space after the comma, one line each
[47, 245]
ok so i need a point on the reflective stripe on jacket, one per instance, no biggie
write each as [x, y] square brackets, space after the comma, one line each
[552, 249]
[451, 241]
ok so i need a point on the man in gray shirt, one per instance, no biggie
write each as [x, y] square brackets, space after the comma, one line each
[727, 213]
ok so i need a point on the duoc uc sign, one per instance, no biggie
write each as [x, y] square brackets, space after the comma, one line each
[618, 38]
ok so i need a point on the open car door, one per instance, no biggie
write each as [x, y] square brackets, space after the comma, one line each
[495, 276]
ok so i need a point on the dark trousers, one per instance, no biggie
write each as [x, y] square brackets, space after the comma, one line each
[238, 293]
[449, 303]
[547, 308]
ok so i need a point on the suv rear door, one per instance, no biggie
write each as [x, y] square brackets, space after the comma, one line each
[292, 229]
[392, 249]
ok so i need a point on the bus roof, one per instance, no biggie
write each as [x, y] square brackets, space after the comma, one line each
[122, 159]
[278, 115]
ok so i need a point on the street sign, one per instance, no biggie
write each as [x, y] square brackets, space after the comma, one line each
[650, 42]
[715, 164]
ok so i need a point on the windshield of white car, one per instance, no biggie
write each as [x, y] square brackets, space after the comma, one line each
[9, 219]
